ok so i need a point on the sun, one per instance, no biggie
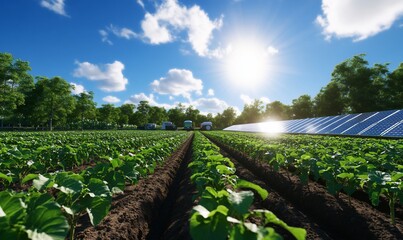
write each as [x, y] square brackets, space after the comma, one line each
[246, 64]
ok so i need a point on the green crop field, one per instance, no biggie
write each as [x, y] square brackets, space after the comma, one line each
[51, 181]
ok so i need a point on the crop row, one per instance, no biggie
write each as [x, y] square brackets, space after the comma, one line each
[51, 207]
[344, 164]
[22, 154]
[223, 210]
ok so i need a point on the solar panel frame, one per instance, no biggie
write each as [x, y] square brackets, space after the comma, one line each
[374, 124]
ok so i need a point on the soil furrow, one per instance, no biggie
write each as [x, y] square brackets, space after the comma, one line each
[132, 215]
[334, 215]
[172, 220]
[278, 205]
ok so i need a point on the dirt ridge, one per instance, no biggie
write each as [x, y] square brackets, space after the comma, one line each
[132, 215]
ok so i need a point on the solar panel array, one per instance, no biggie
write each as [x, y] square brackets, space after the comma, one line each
[384, 123]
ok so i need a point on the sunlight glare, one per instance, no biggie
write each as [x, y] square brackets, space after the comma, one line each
[246, 64]
[271, 127]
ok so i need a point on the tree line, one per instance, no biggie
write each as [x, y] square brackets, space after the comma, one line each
[47, 103]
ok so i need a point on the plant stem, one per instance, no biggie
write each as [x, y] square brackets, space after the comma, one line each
[392, 210]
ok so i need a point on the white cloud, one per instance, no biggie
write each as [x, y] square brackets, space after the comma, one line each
[56, 6]
[155, 33]
[140, 2]
[358, 19]
[111, 99]
[210, 105]
[171, 18]
[110, 77]
[77, 88]
[178, 82]
[272, 50]
[265, 100]
[117, 31]
[248, 100]
[122, 32]
[136, 98]
[210, 92]
[104, 36]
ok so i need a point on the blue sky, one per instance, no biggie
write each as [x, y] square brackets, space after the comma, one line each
[211, 54]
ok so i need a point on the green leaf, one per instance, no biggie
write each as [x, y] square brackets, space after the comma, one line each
[212, 228]
[268, 234]
[222, 169]
[239, 231]
[29, 177]
[68, 183]
[116, 162]
[98, 209]
[5, 177]
[202, 211]
[98, 187]
[346, 175]
[12, 207]
[115, 179]
[298, 233]
[246, 184]
[240, 201]
[47, 222]
[41, 183]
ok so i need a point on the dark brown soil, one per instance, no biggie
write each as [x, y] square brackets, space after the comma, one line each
[322, 211]
[138, 213]
[283, 209]
[159, 206]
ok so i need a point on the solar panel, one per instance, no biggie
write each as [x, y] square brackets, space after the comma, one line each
[385, 123]
[299, 124]
[304, 127]
[289, 124]
[363, 125]
[314, 127]
[396, 131]
[357, 120]
[342, 126]
[339, 119]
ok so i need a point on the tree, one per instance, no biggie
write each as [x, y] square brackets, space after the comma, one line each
[157, 114]
[177, 114]
[329, 101]
[225, 119]
[394, 88]
[302, 107]
[251, 113]
[85, 107]
[359, 84]
[53, 101]
[192, 114]
[126, 113]
[277, 110]
[13, 77]
[108, 114]
[141, 116]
